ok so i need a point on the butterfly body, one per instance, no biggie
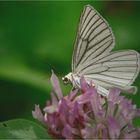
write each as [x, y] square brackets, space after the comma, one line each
[94, 59]
[72, 78]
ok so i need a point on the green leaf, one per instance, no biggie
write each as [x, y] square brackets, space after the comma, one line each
[22, 129]
[136, 121]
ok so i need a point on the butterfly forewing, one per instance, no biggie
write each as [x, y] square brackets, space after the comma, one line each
[94, 36]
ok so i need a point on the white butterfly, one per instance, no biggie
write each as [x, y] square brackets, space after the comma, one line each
[93, 59]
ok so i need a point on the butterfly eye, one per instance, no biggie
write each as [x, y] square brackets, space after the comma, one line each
[65, 80]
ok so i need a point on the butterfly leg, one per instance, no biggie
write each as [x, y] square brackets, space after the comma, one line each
[74, 88]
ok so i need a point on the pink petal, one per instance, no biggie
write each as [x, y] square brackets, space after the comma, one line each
[51, 109]
[110, 109]
[67, 132]
[56, 86]
[72, 94]
[37, 114]
[83, 84]
[84, 98]
[114, 95]
[96, 105]
[114, 130]
[63, 111]
[101, 132]
[77, 114]
[54, 99]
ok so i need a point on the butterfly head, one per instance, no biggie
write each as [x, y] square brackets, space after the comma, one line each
[67, 79]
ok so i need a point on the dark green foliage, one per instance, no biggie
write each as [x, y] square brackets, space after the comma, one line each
[36, 37]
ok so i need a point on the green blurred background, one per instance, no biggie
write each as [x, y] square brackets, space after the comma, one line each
[36, 37]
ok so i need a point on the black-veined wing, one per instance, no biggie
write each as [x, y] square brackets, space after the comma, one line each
[117, 69]
[94, 39]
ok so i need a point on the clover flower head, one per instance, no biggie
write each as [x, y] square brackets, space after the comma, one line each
[87, 115]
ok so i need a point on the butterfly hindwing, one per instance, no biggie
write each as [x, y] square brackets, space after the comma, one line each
[122, 68]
